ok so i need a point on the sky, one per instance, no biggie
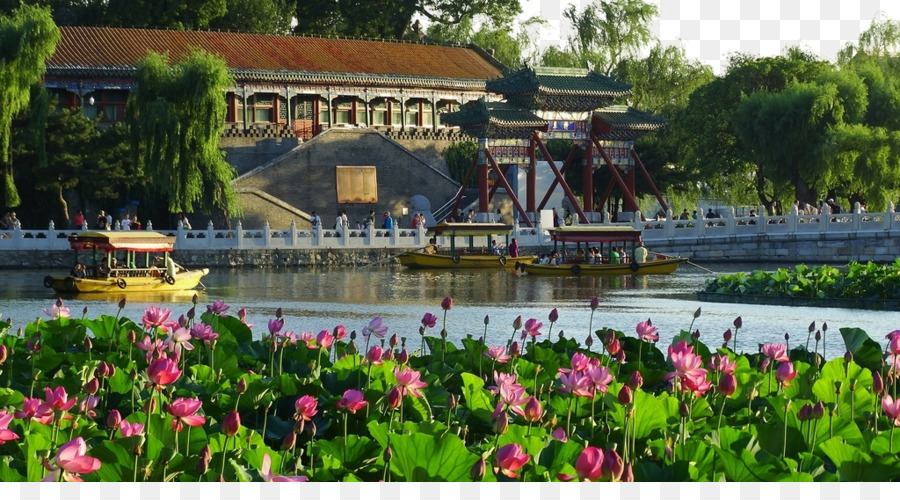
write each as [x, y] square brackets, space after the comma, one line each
[710, 30]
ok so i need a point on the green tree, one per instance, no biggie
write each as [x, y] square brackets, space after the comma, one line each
[27, 39]
[176, 115]
[392, 19]
[259, 16]
[509, 44]
[606, 32]
[173, 14]
[459, 158]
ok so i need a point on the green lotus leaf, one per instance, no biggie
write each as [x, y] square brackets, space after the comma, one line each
[421, 457]
[477, 399]
[866, 352]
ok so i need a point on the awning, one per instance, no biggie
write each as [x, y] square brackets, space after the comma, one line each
[107, 241]
[595, 234]
[469, 229]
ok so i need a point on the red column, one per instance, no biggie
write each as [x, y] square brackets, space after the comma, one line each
[483, 190]
[587, 179]
[531, 180]
[629, 181]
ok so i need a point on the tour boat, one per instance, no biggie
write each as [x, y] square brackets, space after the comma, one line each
[140, 271]
[608, 238]
[470, 258]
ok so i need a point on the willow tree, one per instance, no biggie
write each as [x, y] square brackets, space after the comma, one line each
[27, 39]
[177, 115]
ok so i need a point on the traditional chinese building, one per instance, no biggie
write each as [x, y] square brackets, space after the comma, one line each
[289, 89]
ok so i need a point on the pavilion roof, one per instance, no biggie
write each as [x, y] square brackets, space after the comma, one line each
[569, 89]
[621, 122]
[494, 119]
[115, 52]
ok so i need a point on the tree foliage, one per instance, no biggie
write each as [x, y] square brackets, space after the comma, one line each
[606, 32]
[176, 116]
[509, 45]
[27, 39]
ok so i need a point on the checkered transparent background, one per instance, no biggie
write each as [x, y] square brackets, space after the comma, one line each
[709, 30]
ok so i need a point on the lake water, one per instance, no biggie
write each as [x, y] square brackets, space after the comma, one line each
[313, 300]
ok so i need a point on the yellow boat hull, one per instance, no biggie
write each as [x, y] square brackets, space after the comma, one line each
[126, 281]
[662, 266]
[418, 260]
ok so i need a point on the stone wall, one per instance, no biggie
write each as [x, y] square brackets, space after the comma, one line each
[247, 153]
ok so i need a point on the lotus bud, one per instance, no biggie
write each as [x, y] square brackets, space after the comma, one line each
[559, 434]
[824, 326]
[727, 384]
[501, 424]
[4, 352]
[394, 398]
[695, 336]
[150, 405]
[837, 387]
[279, 313]
[636, 380]
[533, 410]
[353, 335]
[403, 358]
[88, 344]
[84, 311]
[132, 337]
[182, 321]
[517, 323]
[625, 396]
[110, 370]
[562, 335]
[818, 335]
[805, 412]
[738, 322]
[241, 386]
[451, 401]
[628, 475]
[848, 357]
[620, 356]
[387, 455]
[478, 470]
[92, 386]
[59, 302]
[595, 303]
[487, 320]
[514, 349]
[589, 341]
[195, 299]
[444, 333]
[122, 303]
[727, 336]
[877, 383]
[684, 410]
[818, 410]
[395, 341]
[447, 303]
[554, 315]
[613, 466]
[787, 336]
[242, 314]
[114, 419]
[289, 441]
[697, 313]
[205, 457]
[133, 375]
[609, 337]
[232, 424]
[192, 312]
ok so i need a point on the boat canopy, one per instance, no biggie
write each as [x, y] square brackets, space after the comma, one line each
[595, 234]
[109, 241]
[469, 229]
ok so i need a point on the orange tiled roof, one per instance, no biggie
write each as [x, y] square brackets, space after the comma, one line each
[83, 49]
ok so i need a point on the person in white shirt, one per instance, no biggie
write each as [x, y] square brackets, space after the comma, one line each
[126, 223]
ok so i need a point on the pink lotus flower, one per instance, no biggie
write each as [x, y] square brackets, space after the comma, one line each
[267, 475]
[532, 327]
[576, 383]
[447, 303]
[305, 408]
[203, 332]
[218, 308]
[35, 409]
[4, 351]
[501, 379]
[71, 460]
[512, 396]
[497, 353]
[686, 365]
[352, 401]
[533, 411]
[5, 433]
[894, 343]
[559, 434]
[600, 378]
[231, 424]
[510, 459]
[242, 315]
[580, 362]
[163, 372]
[891, 408]
[775, 351]
[157, 317]
[719, 363]
[646, 331]
[588, 466]
[727, 384]
[375, 328]
[114, 419]
[57, 311]
[613, 466]
[429, 320]
[57, 399]
[275, 325]
[410, 382]
[374, 355]
[339, 332]
[184, 410]
[87, 406]
[179, 339]
[325, 339]
[128, 429]
[785, 373]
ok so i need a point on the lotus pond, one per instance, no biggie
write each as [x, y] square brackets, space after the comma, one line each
[201, 395]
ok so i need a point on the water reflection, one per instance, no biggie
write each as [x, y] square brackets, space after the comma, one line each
[313, 300]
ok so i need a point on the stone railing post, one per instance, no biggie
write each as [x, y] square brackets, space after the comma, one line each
[267, 235]
[792, 219]
[889, 216]
[699, 226]
[179, 235]
[239, 232]
[824, 218]
[318, 231]
[210, 234]
[84, 226]
[606, 219]
[857, 216]
[761, 219]
[149, 225]
[729, 221]
[293, 230]
[670, 224]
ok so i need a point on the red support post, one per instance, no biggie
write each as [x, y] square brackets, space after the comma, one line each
[629, 199]
[553, 184]
[562, 180]
[502, 179]
[640, 164]
[587, 179]
[531, 180]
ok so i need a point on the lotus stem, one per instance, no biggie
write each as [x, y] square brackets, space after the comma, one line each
[891, 445]
[346, 414]
[787, 404]
[721, 411]
[625, 454]
[266, 420]
[224, 452]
